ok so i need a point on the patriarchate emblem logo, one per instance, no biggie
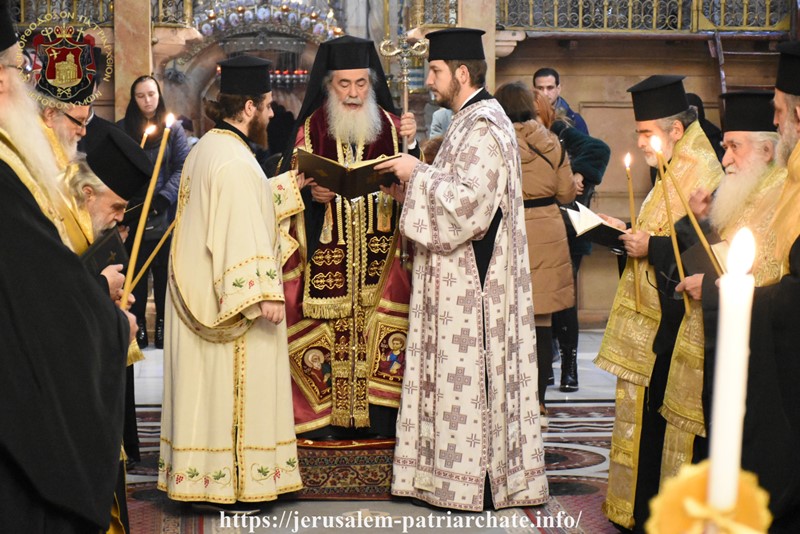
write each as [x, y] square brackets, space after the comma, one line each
[68, 66]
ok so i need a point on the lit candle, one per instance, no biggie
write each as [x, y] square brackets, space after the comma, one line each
[730, 372]
[633, 229]
[655, 143]
[147, 131]
[137, 241]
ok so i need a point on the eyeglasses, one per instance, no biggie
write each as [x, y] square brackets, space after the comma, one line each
[76, 122]
[674, 295]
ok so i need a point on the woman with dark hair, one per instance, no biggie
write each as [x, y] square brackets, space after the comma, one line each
[147, 107]
[546, 182]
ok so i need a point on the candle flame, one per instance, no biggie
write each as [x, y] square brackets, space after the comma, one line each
[655, 143]
[150, 129]
[742, 252]
[628, 160]
[170, 120]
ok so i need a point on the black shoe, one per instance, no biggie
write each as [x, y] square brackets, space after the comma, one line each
[141, 335]
[551, 380]
[159, 341]
[569, 370]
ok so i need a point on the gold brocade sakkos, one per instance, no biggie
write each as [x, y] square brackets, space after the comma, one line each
[786, 222]
[627, 347]
[683, 404]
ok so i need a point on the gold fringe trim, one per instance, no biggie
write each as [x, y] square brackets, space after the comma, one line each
[361, 420]
[683, 422]
[135, 354]
[340, 420]
[621, 372]
[618, 516]
[330, 310]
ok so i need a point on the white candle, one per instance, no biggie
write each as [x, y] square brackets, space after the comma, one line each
[730, 373]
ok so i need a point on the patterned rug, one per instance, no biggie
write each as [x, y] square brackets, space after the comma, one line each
[576, 445]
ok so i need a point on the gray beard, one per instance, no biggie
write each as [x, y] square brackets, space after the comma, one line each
[734, 192]
[353, 127]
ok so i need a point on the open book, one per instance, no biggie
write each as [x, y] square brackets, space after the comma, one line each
[106, 250]
[351, 181]
[589, 224]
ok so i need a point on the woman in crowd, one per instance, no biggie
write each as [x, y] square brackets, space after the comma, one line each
[146, 107]
[546, 182]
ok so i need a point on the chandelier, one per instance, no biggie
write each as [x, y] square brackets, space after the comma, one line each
[313, 21]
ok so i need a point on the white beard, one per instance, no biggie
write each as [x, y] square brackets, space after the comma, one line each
[352, 127]
[733, 192]
[19, 116]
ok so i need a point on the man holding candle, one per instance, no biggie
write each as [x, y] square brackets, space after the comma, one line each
[637, 347]
[747, 197]
[62, 389]
[771, 432]
[227, 431]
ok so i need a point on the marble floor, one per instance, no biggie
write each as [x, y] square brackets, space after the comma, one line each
[310, 517]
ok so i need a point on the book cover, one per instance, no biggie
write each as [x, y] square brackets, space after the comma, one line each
[696, 261]
[348, 181]
[587, 223]
[107, 250]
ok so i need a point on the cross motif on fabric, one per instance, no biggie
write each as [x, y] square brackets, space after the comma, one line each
[444, 492]
[464, 341]
[450, 456]
[494, 178]
[427, 452]
[498, 331]
[427, 387]
[467, 208]
[410, 387]
[512, 386]
[468, 302]
[495, 290]
[449, 279]
[459, 379]
[470, 156]
[455, 417]
[445, 318]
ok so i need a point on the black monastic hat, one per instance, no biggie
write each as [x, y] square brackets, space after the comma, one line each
[244, 75]
[658, 97]
[748, 111]
[788, 79]
[455, 43]
[119, 162]
[342, 53]
[8, 34]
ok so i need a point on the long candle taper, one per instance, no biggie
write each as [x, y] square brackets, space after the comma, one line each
[730, 374]
[637, 290]
[655, 143]
[126, 290]
[147, 131]
[152, 256]
[695, 224]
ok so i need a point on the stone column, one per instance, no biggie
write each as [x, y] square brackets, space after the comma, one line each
[132, 48]
[481, 14]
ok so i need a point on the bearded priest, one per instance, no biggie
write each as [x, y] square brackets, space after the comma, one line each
[347, 289]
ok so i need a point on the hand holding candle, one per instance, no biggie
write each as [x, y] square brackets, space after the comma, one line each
[730, 374]
[145, 210]
[633, 229]
[655, 143]
[147, 132]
